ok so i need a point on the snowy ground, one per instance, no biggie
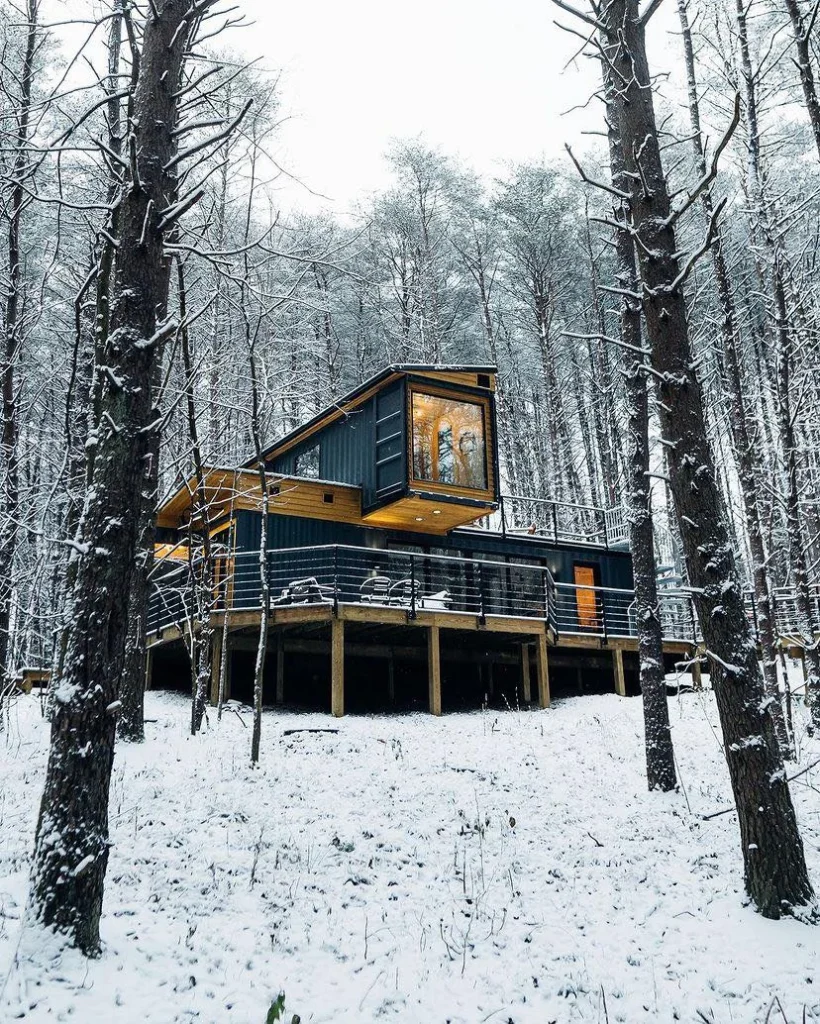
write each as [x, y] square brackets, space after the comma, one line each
[475, 868]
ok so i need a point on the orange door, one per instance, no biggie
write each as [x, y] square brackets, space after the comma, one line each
[585, 597]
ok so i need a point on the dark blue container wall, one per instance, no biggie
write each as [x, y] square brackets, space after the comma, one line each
[345, 449]
[614, 567]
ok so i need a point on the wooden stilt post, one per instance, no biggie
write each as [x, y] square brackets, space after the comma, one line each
[526, 686]
[216, 661]
[490, 680]
[149, 667]
[618, 667]
[542, 664]
[337, 667]
[280, 668]
[391, 678]
[434, 670]
[697, 679]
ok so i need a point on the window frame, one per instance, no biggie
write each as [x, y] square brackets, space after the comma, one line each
[468, 398]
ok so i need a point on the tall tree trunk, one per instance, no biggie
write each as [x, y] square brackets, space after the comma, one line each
[748, 463]
[802, 30]
[72, 841]
[10, 428]
[775, 867]
[660, 755]
[770, 244]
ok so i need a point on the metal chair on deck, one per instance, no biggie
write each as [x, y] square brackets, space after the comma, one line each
[375, 590]
[403, 592]
[305, 591]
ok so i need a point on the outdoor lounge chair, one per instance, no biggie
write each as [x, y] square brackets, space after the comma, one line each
[402, 592]
[375, 590]
[306, 591]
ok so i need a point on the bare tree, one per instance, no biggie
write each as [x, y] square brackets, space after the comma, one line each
[71, 845]
[775, 868]
[15, 202]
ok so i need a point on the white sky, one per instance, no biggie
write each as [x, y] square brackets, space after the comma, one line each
[482, 79]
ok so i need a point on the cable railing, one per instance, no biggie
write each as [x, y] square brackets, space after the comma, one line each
[611, 612]
[559, 521]
[338, 574]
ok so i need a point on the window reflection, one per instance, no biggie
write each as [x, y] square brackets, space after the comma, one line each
[307, 463]
[448, 441]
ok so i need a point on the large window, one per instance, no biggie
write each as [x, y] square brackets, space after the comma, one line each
[448, 441]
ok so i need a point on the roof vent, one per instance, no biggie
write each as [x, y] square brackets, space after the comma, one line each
[327, 498]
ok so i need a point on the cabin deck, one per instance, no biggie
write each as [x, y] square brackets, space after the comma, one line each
[337, 601]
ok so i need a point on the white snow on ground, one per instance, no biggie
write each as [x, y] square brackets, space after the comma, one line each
[486, 867]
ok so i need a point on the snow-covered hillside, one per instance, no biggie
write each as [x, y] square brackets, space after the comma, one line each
[475, 868]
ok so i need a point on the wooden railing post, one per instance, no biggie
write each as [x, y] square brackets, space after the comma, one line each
[482, 615]
[335, 579]
[412, 586]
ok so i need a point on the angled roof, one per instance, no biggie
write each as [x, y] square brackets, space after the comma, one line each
[341, 405]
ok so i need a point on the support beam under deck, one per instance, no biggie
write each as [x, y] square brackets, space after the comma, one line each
[526, 686]
[618, 668]
[543, 671]
[337, 667]
[434, 669]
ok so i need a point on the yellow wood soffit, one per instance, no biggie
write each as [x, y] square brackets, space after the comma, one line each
[216, 481]
[287, 496]
[417, 515]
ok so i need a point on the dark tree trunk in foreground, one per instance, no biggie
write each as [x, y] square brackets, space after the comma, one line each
[660, 757]
[775, 867]
[748, 463]
[71, 845]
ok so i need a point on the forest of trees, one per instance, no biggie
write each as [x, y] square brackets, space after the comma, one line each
[161, 313]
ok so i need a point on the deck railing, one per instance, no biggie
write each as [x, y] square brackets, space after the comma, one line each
[338, 574]
[560, 521]
[412, 582]
[611, 612]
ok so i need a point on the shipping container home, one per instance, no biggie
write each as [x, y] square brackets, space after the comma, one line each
[397, 573]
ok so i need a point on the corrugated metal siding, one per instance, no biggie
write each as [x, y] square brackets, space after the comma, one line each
[614, 567]
[345, 449]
